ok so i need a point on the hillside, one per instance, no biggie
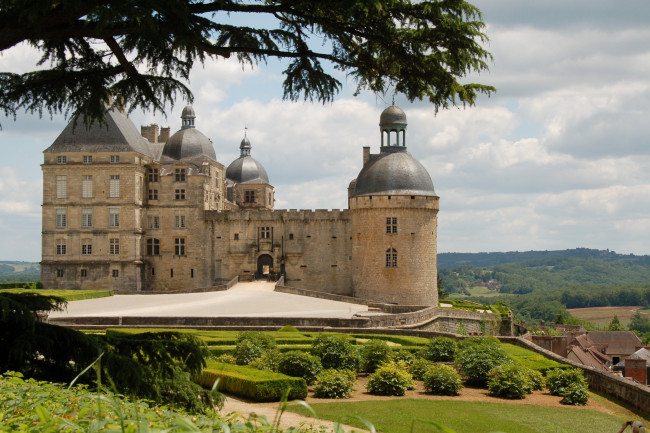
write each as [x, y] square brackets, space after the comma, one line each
[12, 271]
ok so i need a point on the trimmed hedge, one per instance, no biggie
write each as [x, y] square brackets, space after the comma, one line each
[68, 295]
[532, 360]
[251, 383]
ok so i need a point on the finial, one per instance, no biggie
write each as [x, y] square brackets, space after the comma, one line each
[393, 99]
[245, 130]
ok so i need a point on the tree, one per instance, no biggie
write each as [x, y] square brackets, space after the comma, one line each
[615, 325]
[145, 49]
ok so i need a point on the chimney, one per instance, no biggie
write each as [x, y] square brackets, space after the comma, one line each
[366, 154]
[164, 135]
[150, 132]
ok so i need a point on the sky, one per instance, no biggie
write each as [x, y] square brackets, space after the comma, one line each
[558, 158]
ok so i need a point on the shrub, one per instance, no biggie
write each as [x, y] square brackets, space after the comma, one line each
[333, 383]
[267, 362]
[288, 328]
[389, 379]
[403, 355]
[510, 380]
[536, 380]
[558, 380]
[373, 353]
[252, 345]
[440, 349]
[442, 380]
[336, 352]
[476, 357]
[252, 384]
[226, 358]
[300, 364]
[418, 367]
[575, 394]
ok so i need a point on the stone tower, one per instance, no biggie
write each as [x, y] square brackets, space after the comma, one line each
[393, 209]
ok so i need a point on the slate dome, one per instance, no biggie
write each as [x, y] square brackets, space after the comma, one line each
[189, 142]
[246, 169]
[395, 173]
[392, 115]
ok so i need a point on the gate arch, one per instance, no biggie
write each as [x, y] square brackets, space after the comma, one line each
[264, 266]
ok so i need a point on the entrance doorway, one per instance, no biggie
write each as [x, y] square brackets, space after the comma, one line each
[264, 267]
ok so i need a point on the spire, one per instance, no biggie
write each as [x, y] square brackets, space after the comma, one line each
[188, 117]
[245, 145]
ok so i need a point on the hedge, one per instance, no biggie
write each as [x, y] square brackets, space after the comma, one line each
[251, 383]
[404, 340]
[530, 359]
[68, 295]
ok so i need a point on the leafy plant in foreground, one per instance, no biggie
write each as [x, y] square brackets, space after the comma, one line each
[333, 383]
[442, 380]
[373, 353]
[510, 380]
[389, 379]
[476, 357]
[300, 364]
[336, 352]
[440, 349]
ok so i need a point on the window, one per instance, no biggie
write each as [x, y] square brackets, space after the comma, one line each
[153, 194]
[179, 220]
[391, 225]
[88, 159]
[115, 159]
[290, 236]
[61, 218]
[179, 194]
[236, 236]
[152, 174]
[171, 273]
[114, 246]
[249, 196]
[60, 247]
[265, 232]
[391, 258]
[86, 218]
[61, 159]
[114, 186]
[86, 247]
[153, 247]
[179, 175]
[61, 186]
[116, 273]
[59, 273]
[86, 186]
[179, 246]
[84, 273]
[114, 217]
[153, 272]
[191, 273]
[153, 221]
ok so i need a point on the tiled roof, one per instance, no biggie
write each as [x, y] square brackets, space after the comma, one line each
[617, 342]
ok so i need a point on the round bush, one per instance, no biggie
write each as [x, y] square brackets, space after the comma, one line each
[536, 380]
[403, 355]
[510, 380]
[336, 352]
[288, 328]
[373, 353]
[267, 362]
[440, 349]
[389, 379]
[333, 383]
[442, 380]
[575, 394]
[477, 357]
[418, 367]
[300, 364]
[558, 380]
[252, 345]
[226, 358]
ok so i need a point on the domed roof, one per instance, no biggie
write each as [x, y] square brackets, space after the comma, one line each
[189, 143]
[246, 169]
[393, 173]
[392, 115]
[188, 111]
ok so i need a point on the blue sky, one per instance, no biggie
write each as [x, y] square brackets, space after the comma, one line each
[558, 158]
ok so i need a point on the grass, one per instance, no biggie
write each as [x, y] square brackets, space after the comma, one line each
[531, 359]
[396, 416]
[68, 295]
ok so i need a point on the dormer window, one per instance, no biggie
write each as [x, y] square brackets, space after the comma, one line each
[179, 175]
[62, 159]
[88, 159]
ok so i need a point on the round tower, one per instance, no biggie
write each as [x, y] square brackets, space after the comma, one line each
[393, 208]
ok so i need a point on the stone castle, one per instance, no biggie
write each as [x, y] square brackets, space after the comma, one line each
[147, 211]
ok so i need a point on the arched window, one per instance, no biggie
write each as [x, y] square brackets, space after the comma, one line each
[391, 258]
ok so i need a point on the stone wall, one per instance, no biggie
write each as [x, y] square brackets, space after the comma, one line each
[634, 394]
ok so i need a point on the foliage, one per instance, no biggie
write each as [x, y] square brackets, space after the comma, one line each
[442, 380]
[531, 360]
[333, 383]
[67, 295]
[575, 394]
[226, 358]
[269, 361]
[251, 383]
[510, 380]
[403, 355]
[251, 345]
[389, 379]
[476, 357]
[639, 323]
[288, 328]
[537, 382]
[615, 325]
[300, 364]
[418, 367]
[373, 353]
[419, 49]
[558, 381]
[440, 349]
[336, 352]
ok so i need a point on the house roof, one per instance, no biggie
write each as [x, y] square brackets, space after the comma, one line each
[616, 342]
[589, 357]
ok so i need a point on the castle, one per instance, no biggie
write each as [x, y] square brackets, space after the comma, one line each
[146, 211]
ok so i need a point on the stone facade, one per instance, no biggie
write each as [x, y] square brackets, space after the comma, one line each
[168, 217]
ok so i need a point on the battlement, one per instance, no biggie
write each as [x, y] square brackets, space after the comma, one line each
[279, 215]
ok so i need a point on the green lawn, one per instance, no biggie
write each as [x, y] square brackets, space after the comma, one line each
[396, 416]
